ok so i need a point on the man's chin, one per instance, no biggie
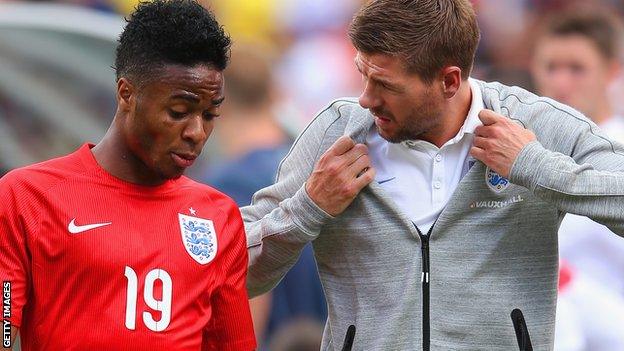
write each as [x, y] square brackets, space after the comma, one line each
[399, 137]
[389, 137]
[177, 175]
[172, 175]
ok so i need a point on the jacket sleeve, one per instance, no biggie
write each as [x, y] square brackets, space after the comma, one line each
[282, 218]
[588, 182]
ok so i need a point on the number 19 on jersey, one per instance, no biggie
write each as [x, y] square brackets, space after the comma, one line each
[163, 305]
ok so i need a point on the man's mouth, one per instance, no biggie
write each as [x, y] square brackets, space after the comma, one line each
[183, 160]
[381, 116]
[382, 121]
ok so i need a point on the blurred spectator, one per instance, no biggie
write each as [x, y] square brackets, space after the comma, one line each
[303, 18]
[299, 30]
[311, 79]
[253, 144]
[508, 29]
[502, 54]
[249, 135]
[576, 59]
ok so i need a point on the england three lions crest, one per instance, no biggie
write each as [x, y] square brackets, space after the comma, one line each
[199, 238]
[495, 181]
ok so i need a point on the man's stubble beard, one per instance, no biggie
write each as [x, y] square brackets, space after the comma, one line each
[418, 125]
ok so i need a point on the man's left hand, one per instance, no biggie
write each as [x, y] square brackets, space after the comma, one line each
[498, 141]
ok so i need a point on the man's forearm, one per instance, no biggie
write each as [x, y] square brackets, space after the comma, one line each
[573, 188]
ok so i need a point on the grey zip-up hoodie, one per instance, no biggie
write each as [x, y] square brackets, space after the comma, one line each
[491, 249]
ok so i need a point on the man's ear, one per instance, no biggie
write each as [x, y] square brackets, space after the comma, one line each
[126, 94]
[451, 80]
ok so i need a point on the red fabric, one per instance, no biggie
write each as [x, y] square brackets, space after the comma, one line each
[70, 291]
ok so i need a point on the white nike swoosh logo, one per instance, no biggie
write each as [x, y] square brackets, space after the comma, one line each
[75, 229]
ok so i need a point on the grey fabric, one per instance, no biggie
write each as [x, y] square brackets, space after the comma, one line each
[490, 252]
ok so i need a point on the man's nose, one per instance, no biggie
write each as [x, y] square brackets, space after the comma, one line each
[369, 99]
[561, 81]
[196, 130]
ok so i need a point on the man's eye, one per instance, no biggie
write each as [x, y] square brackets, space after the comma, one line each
[383, 85]
[176, 114]
[577, 69]
[210, 116]
[389, 88]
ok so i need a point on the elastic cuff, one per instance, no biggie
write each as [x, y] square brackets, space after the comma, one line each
[526, 169]
[306, 214]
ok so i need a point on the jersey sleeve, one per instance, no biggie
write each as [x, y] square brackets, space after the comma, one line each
[231, 327]
[14, 258]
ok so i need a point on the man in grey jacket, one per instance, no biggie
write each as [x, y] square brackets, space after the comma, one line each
[433, 202]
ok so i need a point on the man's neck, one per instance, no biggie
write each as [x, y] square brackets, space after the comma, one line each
[113, 155]
[453, 117]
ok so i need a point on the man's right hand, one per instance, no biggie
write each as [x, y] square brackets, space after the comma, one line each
[339, 175]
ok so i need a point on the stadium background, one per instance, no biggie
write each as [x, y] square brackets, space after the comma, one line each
[57, 85]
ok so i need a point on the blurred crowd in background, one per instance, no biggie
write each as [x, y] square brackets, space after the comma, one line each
[290, 58]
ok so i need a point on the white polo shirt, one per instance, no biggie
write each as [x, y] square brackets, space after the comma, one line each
[419, 176]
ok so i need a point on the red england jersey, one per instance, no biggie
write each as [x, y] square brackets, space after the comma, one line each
[95, 263]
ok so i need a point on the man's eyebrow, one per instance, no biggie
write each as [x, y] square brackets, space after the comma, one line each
[195, 99]
[385, 82]
[186, 96]
[377, 79]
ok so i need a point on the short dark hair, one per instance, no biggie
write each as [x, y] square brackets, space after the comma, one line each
[598, 25]
[427, 34]
[163, 32]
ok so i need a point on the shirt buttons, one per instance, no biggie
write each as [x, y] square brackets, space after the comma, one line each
[438, 157]
[437, 185]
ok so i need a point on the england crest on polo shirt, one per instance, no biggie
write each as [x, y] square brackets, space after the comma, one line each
[199, 238]
[495, 181]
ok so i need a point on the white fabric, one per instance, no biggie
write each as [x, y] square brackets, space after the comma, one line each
[593, 249]
[614, 128]
[419, 176]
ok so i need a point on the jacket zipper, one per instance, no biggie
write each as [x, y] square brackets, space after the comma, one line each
[424, 278]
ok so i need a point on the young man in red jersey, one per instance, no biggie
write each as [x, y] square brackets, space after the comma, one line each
[110, 247]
